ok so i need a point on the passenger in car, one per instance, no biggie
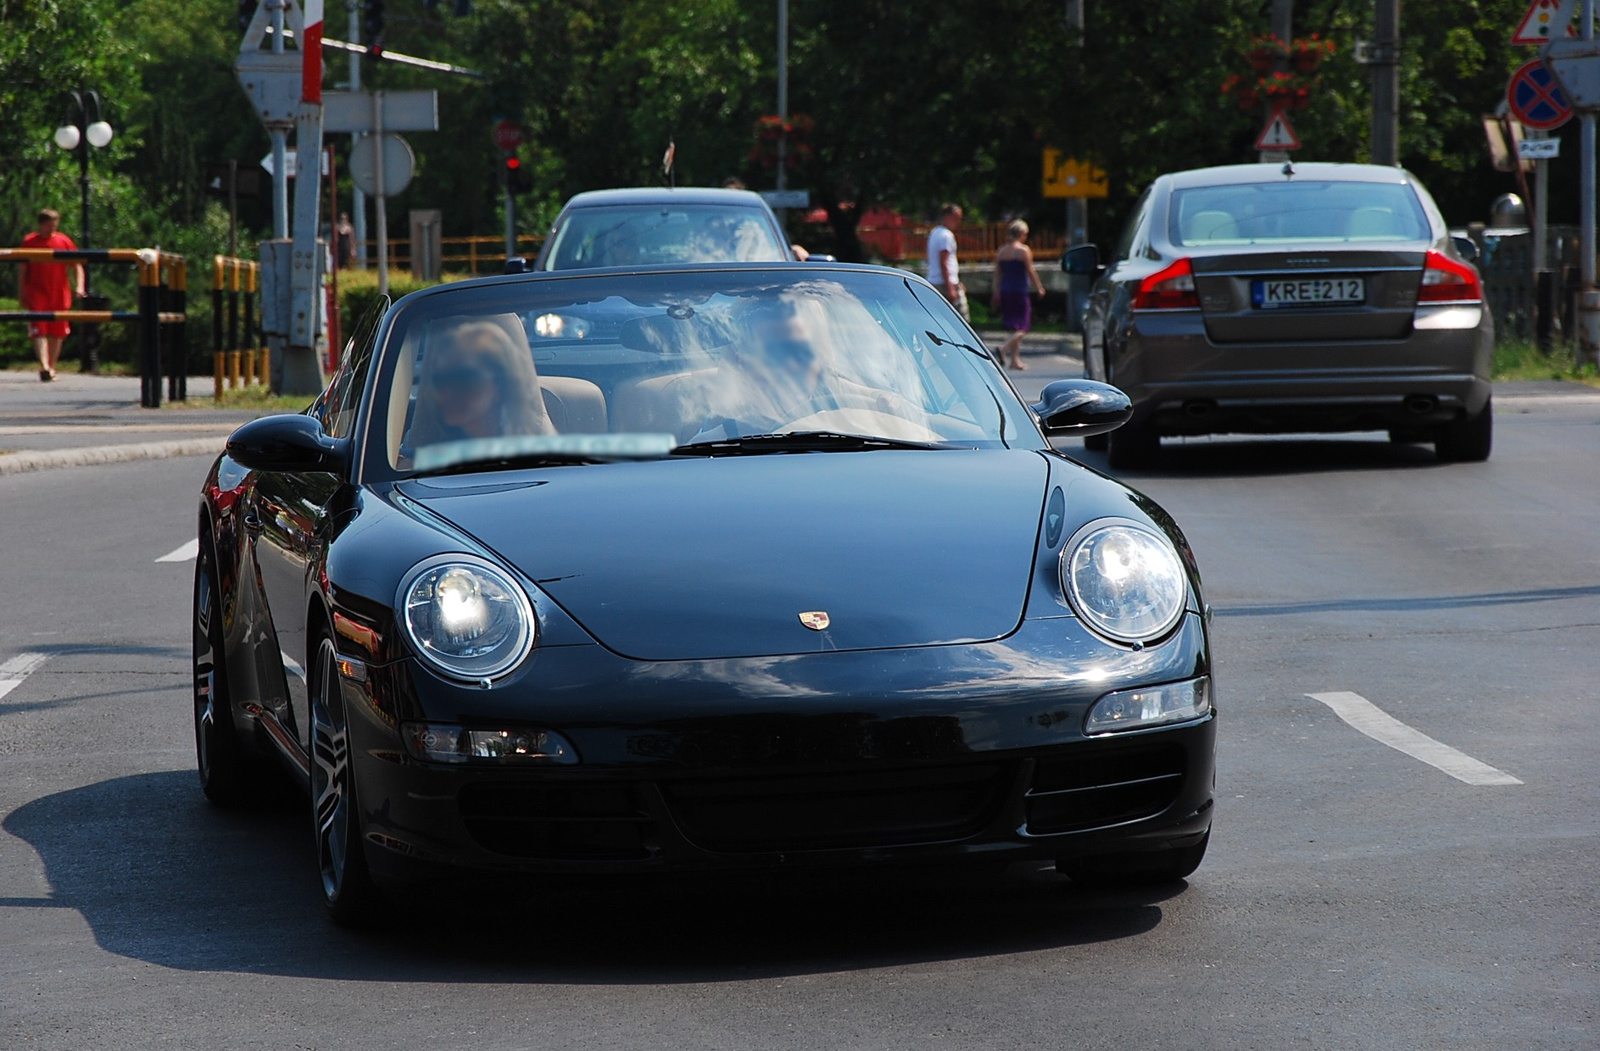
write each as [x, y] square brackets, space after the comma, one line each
[480, 384]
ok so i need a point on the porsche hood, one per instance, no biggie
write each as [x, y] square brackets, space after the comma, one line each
[749, 556]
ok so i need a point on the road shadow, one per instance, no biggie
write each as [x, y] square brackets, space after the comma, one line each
[163, 877]
[1249, 458]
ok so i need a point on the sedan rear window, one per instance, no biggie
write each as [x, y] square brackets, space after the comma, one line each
[1270, 213]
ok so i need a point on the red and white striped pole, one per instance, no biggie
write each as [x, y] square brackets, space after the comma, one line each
[311, 54]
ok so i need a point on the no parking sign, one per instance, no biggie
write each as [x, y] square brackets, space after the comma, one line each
[1536, 99]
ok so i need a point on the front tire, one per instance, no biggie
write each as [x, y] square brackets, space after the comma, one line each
[1466, 440]
[229, 775]
[352, 898]
[1132, 446]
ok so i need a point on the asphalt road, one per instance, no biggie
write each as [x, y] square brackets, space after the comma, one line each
[1355, 896]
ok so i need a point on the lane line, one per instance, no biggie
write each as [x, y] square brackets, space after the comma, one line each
[292, 666]
[187, 553]
[18, 668]
[1362, 715]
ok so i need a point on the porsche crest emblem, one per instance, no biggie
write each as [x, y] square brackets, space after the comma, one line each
[816, 619]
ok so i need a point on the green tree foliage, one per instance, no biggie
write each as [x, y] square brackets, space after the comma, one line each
[912, 104]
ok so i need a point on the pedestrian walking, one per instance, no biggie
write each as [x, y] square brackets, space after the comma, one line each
[944, 270]
[1015, 280]
[45, 286]
[345, 240]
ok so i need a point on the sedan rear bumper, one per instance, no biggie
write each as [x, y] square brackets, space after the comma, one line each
[1183, 383]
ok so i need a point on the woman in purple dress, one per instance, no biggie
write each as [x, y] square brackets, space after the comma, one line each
[1014, 279]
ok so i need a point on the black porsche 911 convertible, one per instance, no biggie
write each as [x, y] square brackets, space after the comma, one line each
[703, 567]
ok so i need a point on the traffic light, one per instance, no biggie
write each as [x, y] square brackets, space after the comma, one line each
[372, 21]
[517, 180]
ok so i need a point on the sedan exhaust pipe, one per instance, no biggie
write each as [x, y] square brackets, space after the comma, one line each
[1421, 404]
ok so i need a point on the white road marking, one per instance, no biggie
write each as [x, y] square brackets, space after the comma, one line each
[13, 671]
[1361, 714]
[187, 553]
[292, 666]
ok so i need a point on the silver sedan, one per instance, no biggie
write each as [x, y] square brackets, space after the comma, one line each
[1278, 298]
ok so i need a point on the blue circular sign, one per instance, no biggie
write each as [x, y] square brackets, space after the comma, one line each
[1536, 99]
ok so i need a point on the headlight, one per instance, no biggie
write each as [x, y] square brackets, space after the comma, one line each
[467, 618]
[1125, 581]
[1151, 706]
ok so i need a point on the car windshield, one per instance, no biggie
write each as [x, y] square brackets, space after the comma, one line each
[1296, 211]
[628, 235]
[706, 362]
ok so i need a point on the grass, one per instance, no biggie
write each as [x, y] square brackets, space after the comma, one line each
[254, 398]
[1516, 359]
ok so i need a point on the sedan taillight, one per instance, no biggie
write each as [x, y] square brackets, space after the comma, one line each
[1446, 281]
[1169, 289]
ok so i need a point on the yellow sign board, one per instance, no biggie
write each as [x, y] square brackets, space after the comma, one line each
[1066, 177]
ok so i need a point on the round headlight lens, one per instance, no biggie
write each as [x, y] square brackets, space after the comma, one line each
[1127, 582]
[468, 619]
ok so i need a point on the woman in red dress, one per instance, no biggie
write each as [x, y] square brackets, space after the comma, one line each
[45, 287]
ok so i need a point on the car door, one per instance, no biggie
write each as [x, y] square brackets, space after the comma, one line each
[290, 518]
[1101, 320]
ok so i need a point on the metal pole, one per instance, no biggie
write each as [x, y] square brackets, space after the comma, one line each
[1283, 29]
[1386, 83]
[379, 206]
[1077, 207]
[783, 92]
[280, 143]
[511, 212]
[358, 198]
[233, 208]
[1589, 293]
[1541, 252]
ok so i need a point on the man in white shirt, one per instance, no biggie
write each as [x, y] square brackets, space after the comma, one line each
[944, 272]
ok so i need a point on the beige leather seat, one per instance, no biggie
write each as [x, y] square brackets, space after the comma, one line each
[676, 404]
[575, 405]
[1210, 225]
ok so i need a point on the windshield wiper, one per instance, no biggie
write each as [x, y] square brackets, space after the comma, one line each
[799, 441]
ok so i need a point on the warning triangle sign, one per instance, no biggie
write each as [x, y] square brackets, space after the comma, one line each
[1543, 19]
[1278, 134]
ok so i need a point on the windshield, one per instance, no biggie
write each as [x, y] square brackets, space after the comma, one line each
[1296, 211]
[628, 235]
[644, 365]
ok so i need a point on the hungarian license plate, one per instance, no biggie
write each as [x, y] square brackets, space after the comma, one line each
[1274, 293]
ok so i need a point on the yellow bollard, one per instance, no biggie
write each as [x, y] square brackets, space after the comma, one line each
[264, 363]
[216, 375]
[233, 369]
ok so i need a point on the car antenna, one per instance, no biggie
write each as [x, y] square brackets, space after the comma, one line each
[1288, 169]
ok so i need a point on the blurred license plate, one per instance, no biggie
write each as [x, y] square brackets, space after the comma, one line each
[1308, 291]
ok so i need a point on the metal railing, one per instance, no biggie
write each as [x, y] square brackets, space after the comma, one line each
[163, 304]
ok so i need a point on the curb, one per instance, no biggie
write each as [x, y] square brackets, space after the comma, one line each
[20, 463]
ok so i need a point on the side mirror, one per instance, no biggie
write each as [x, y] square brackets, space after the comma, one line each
[821, 257]
[287, 443]
[1466, 246]
[516, 265]
[1081, 259]
[1079, 408]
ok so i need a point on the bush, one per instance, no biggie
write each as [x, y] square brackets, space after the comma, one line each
[358, 290]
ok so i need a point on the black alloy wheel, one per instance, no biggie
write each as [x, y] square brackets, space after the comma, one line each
[347, 887]
[228, 774]
[1467, 439]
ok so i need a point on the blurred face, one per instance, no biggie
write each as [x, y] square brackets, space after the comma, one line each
[49, 226]
[953, 220]
[467, 390]
[784, 348]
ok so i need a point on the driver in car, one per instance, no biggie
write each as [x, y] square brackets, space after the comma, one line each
[783, 373]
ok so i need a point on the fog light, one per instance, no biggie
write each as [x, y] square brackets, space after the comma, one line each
[458, 744]
[1151, 706]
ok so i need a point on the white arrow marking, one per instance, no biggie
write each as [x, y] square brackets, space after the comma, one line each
[13, 671]
[1384, 728]
[186, 553]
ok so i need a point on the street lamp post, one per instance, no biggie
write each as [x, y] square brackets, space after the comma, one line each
[83, 126]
